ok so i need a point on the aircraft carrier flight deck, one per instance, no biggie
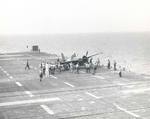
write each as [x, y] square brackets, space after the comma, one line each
[68, 95]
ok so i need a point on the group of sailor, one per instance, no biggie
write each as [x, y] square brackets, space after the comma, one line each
[47, 69]
[115, 67]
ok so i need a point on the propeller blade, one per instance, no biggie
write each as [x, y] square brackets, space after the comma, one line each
[93, 55]
[86, 53]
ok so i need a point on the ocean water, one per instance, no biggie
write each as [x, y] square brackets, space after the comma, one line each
[130, 50]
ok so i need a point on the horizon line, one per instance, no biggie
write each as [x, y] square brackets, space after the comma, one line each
[76, 33]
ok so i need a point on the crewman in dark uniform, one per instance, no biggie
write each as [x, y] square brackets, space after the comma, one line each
[41, 75]
[27, 65]
[120, 73]
[115, 64]
[108, 65]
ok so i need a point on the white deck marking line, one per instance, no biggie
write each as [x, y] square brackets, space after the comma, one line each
[91, 102]
[47, 109]
[19, 84]
[80, 99]
[130, 86]
[92, 95]
[126, 111]
[29, 93]
[147, 77]
[10, 77]
[5, 71]
[100, 77]
[29, 101]
[7, 74]
[53, 76]
[69, 84]
[142, 90]
[82, 108]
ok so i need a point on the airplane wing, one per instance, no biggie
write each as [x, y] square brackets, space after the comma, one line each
[71, 61]
[93, 55]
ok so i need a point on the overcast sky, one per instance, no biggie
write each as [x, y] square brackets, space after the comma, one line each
[73, 16]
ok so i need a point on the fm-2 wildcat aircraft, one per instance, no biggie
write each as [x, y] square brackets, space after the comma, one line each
[74, 60]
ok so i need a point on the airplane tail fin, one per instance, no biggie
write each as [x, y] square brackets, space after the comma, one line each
[86, 53]
[63, 57]
[74, 55]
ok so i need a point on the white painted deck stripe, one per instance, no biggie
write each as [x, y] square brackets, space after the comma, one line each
[126, 111]
[29, 101]
[10, 77]
[19, 84]
[47, 109]
[147, 77]
[92, 102]
[29, 93]
[100, 77]
[7, 74]
[69, 84]
[82, 108]
[92, 95]
[141, 90]
[80, 99]
[53, 76]
[5, 71]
